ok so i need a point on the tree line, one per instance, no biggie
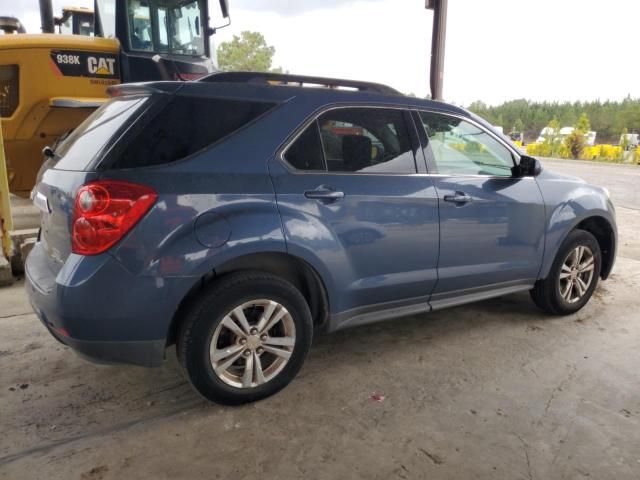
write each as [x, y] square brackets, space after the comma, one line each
[250, 52]
[609, 118]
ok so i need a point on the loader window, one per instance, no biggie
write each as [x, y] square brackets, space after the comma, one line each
[185, 126]
[140, 25]
[167, 26]
[9, 84]
[107, 17]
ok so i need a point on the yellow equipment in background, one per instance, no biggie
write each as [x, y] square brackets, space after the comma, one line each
[39, 103]
[6, 222]
[49, 83]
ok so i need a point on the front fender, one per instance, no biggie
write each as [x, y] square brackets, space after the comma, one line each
[570, 202]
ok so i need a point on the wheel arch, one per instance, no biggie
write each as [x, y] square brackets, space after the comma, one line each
[604, 232]
[602, 229]
[289, 267]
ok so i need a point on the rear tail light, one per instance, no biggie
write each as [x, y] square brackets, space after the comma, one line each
[105, 211]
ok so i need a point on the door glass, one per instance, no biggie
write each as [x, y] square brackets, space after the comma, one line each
[162, 30]
[186, 34]
[66, 28]
[107, 16]
[306, 152]
[366, 140]
[176, 27]
[461, 148]
[83, 24]
[140, 25]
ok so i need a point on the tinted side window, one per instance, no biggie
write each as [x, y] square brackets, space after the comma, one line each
[97, 132]
[306, 152]
[367, 140]
[461, 148]
[186, 125]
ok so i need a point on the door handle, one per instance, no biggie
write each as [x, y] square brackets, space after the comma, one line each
[458, 197]
[324, 193]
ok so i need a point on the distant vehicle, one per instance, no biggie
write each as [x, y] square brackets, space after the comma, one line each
[590, 137]
[516, 136]
[235, 217]
[633, 139]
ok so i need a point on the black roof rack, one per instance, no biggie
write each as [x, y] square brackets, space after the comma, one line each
[285, 79]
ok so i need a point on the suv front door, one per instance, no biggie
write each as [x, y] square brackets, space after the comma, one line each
[353, 204]
[492, 224]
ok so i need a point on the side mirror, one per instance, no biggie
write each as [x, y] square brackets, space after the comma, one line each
[528, 167]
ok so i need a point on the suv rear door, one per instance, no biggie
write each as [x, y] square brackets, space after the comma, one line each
[354, 204]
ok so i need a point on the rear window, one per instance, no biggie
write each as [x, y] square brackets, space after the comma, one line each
[90, 137]
[185, 126]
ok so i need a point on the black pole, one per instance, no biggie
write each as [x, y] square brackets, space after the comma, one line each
[46, 17]
[438, 37]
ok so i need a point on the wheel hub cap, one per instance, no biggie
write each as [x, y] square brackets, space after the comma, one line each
[253, 342]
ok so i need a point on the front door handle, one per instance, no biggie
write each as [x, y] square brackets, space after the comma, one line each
[324, 193]
[458, 198]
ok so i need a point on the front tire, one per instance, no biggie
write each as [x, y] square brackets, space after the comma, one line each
[245, 338]
[573, 276]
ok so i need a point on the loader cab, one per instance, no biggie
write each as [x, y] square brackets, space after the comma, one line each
[76, 21]
[159, 39]
[10, 25]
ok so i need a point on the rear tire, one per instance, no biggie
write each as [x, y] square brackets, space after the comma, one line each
[573, 276]
[245, 338]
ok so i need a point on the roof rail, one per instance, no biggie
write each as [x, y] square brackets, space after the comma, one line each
[285, 79]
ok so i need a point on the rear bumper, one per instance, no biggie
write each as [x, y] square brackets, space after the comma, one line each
[102, 311]
[149, 353]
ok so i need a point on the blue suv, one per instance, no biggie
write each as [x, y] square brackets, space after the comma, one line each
[237, 215]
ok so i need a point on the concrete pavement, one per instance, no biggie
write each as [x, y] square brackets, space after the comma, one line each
[491, 390]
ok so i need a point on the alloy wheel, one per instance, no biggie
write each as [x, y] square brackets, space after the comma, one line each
[253, 343]
[576, 274]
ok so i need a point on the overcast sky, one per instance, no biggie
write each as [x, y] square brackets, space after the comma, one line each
[496, 49]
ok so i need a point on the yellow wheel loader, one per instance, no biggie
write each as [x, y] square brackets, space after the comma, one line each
[49, 82]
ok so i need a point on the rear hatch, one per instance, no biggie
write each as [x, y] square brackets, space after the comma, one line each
[74, 164]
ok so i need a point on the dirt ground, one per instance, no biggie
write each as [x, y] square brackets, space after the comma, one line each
[490, 390]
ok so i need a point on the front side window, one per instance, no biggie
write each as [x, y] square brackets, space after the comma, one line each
[461, 148]
[366, 140]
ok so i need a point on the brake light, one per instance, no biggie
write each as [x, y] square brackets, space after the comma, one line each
[105, 211]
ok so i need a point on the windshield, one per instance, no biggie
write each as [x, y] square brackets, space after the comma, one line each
[89, 138]
[167, 26]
